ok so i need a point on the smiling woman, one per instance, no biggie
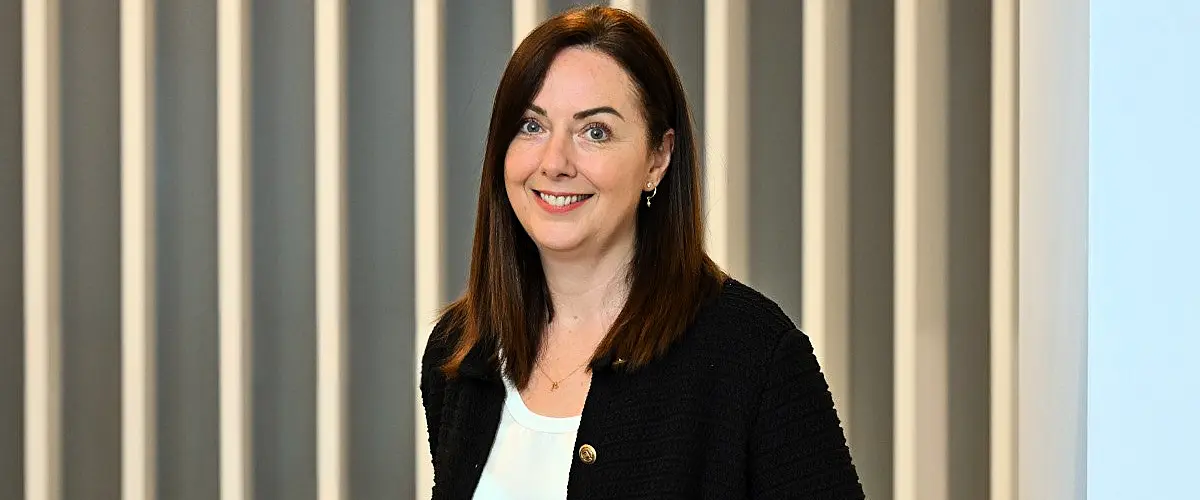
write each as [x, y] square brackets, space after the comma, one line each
[597, 351]
[576, 153]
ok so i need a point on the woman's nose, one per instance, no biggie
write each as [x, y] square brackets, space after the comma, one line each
[557, 160]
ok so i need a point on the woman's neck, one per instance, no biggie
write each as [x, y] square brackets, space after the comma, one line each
[589, 290]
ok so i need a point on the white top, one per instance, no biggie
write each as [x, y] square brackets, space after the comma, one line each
[531, 456]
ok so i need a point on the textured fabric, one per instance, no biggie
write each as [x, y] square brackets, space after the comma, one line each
[737, 408]
[531, 455]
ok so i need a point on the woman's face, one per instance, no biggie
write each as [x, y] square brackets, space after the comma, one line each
[580, 161]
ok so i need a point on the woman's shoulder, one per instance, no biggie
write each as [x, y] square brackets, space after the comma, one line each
[741, 318]
[444, 337]
[745, 307]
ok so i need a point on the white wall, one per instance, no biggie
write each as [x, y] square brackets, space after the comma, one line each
[1144, 380]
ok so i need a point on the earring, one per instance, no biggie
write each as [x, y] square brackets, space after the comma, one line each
[650, 185]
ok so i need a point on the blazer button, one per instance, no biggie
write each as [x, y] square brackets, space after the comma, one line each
[587, 454]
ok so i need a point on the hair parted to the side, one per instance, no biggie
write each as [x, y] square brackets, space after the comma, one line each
[507, 301]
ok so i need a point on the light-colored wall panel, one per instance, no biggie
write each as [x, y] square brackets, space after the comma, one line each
[967, 258]
[922, 331]
[188, 433]
[774, 152]
[477, 46]
[12, 283]
[871, 219]
[639, 7]
[942, 252]
[235, 264]
[826, 195]
[679, 25]
[429, 153]
[526, 15]
[1003, 365]
[139, 423]
[91, 253]
[284, 249]
[1052, 249]
[558, 6]
[332, 320]
[726, 140]
[382, 441]
[42, 176]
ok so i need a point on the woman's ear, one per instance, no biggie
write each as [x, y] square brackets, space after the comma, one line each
[661, 156]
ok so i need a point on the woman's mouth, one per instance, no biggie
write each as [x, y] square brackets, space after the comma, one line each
[560, 202]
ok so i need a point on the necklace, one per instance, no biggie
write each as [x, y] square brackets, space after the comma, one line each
[553, 384]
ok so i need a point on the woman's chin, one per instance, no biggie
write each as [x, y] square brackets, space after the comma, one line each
[558, 243]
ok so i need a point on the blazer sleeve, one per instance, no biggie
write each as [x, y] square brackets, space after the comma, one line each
[433, 385]
[797, 446]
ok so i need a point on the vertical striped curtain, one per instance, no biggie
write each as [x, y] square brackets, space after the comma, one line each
[227, 227]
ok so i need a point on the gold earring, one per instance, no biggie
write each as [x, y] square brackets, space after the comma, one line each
[650, 185]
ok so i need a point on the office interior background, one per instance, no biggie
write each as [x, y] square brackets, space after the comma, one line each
[227, 227]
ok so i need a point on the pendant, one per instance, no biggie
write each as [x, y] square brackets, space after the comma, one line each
[553, 386]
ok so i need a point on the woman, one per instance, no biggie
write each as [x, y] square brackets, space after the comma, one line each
[597, 351]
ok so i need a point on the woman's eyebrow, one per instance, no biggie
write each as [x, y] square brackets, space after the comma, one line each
[594, 111]
[582, 114]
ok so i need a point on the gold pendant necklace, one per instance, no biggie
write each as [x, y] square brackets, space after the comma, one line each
[553, 384]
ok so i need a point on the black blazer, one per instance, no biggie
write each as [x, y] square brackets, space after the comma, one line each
[737, 408]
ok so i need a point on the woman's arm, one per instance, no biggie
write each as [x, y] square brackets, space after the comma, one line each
[433, 385]
[797, 447]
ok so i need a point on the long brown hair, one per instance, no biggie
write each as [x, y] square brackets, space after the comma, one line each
[507, 302]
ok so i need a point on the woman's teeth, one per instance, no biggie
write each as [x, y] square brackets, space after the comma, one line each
[562, 201]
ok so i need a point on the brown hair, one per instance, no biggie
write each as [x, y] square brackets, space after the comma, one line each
[507, 302]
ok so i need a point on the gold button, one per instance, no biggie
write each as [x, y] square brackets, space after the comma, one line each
[587, 454]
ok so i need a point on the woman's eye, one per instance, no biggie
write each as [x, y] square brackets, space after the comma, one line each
[529, 126]
[597, 133]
